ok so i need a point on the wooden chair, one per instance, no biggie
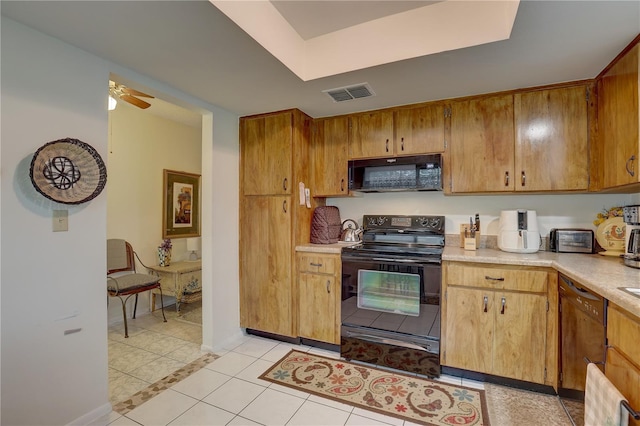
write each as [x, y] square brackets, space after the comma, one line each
[123, 281]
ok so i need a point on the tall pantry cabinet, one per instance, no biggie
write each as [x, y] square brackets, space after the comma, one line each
[273, 161]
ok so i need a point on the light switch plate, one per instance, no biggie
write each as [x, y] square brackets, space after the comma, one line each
[60, 220]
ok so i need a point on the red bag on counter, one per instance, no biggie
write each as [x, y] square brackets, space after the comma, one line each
[325, 225]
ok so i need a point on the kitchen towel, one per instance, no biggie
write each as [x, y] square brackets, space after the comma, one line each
[602, 401]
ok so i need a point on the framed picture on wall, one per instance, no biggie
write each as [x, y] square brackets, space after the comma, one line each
[181, 202]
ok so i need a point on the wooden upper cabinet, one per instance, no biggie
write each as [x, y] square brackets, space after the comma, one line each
[482, 145]
[551, 140]
[419, 130]
[330, 157]
[619, 121]
[266, 143]
[371, 135]
[402, 131]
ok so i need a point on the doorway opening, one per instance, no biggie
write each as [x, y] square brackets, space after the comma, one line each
[148, 135]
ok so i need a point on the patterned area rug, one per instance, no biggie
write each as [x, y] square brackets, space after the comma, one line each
[406, 397]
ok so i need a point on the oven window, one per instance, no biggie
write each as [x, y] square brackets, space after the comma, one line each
[389, 292]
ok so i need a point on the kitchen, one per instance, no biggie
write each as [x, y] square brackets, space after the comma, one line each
[89, 383]
[367, 172]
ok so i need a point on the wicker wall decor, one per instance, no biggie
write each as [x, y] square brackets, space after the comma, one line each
[68, 171]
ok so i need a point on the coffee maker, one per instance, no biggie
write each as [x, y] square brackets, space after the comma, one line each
[631, 217]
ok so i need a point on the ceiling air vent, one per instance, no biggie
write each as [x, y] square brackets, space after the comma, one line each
[341, 94]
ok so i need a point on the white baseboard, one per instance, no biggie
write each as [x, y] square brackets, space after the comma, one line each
[93, 415]
[220, 347]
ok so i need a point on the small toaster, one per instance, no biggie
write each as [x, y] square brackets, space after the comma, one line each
[571, 240]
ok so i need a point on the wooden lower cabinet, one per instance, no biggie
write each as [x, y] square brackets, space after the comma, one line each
[496, 320]
[319, 296]
[266, 292]
[622, 366]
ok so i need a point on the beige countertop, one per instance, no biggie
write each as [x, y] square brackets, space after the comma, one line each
[324, 248]
[601, 274]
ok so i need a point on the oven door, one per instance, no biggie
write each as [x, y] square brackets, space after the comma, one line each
[390, 312]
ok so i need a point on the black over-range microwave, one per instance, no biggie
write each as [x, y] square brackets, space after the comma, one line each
[417, 173]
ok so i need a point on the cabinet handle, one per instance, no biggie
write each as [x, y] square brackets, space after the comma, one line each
[386, 145]
[630, 162]
[486, 302]
[401, 144]
[487, 277]
[341, 185]
[315, 264]
[504, 302]
[523, 178]
[284, 184]
[328, 286]
[284, 206]
[506, 178]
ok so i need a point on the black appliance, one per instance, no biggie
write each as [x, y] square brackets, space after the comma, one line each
[416, 173]
[391, 294]
[582, 335]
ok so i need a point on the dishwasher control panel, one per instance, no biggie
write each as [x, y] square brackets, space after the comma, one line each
[585, 300]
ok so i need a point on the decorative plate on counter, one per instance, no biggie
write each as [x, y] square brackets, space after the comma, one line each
[610, 236]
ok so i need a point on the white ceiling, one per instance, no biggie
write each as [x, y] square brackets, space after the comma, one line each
[193, 47]
[315, 18]
[395, 37]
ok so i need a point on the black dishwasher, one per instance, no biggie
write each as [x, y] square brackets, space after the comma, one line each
[582, 335]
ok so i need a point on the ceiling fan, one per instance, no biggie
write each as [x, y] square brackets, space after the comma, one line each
[120, 91]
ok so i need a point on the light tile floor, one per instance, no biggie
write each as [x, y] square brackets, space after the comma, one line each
[153, 350]
[228, 392]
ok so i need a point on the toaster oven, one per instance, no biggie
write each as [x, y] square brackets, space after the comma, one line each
[571, 240]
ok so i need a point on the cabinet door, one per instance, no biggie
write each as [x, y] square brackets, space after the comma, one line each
[626, 377]
[623, 332]
[469, 329]
[618, 121]
[330, 156]
[551, 140]
[519, 341]
[318, 305]
[482, 145]
[371, 135]
[419, 130]
[266, 145]
[265, 265]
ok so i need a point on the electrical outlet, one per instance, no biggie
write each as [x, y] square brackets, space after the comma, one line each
[60, 220]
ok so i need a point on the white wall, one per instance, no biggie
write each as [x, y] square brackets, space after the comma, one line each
[553, 211]
[220, 241]
[52, 90]
[51, 282]
[141, 145]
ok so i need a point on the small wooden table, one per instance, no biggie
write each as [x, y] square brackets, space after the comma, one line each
[182, 280]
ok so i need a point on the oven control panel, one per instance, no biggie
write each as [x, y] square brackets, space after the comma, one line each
[401, 221]
[433, 224]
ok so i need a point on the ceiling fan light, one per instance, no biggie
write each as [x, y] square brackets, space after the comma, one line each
[112, 103]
